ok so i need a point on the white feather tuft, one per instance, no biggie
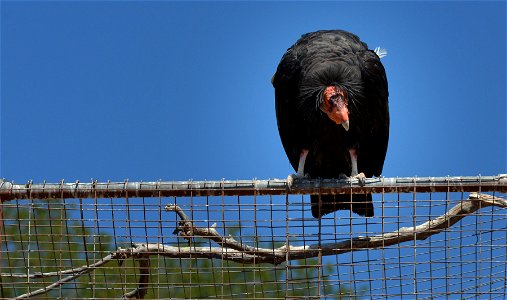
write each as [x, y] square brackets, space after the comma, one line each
[381, 52]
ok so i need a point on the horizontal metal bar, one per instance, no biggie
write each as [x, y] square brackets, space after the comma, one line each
[94, 189]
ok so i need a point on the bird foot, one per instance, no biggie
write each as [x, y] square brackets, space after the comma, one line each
[361, 178]
[297, 176]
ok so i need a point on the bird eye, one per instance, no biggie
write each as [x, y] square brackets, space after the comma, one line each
[336, 97]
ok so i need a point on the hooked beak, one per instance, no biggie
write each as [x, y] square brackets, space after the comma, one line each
[345, 125]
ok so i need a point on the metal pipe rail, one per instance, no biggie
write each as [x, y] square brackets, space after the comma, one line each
[94, 189]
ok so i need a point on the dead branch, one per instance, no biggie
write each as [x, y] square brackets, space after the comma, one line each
[76, 272]
[235, 251]
[120, 255]
[230, 249]
[187, 229]
[474, 202]
[144, 279]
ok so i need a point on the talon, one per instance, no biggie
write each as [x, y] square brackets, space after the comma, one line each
[293, 177]
[361, 178]
[290, 180]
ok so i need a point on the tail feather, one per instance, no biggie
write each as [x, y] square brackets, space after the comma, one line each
[360, 204]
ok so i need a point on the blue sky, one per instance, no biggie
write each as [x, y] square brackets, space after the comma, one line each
[177, 90]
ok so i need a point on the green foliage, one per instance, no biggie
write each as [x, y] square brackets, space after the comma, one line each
[46, 236]
[41, 238]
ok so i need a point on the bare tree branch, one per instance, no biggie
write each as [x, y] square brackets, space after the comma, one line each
[247, 254]
[474, 202]
[120, 254]
[187, 229]
[232, 250]
[144, 279]
[76, 272]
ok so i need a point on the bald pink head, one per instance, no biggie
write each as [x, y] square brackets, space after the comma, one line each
[335, 105]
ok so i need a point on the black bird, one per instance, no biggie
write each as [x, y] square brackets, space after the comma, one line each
[331, 99]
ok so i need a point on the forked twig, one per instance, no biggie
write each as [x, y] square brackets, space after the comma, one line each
[188, 229]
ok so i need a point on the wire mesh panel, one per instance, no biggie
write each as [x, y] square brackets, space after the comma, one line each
[212, 241]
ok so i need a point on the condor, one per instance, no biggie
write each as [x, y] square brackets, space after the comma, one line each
[332, 110]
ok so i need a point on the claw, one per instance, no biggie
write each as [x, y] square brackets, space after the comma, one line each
[361, 178]
[292, 177]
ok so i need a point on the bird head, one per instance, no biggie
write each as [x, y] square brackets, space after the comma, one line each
[335, 105]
